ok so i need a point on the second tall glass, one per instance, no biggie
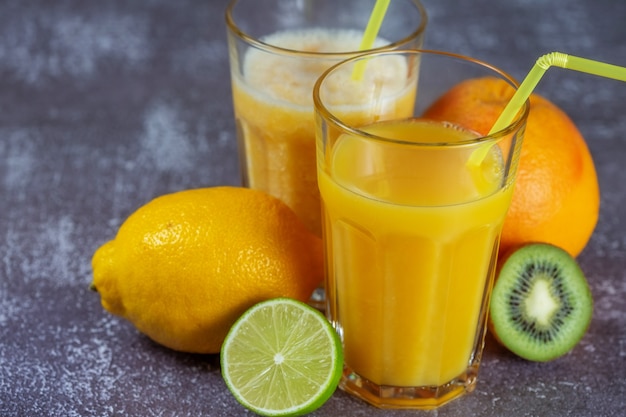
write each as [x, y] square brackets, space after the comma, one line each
[278, 48]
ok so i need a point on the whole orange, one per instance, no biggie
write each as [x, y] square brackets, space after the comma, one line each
[556, 198]
[184, 267]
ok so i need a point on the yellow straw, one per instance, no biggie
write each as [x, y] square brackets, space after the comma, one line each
[371, 31]
[532, 79]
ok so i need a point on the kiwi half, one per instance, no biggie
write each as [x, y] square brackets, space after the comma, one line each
[541, 305]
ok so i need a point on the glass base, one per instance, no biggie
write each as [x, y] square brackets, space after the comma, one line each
[318, 299]
[425, 398]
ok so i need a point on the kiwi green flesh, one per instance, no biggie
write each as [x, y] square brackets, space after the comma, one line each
[541, 305]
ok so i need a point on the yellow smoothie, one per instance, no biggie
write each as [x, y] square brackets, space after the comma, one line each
[412, 235]
[274, 114]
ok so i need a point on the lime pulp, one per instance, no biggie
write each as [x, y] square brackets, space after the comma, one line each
[282, 358]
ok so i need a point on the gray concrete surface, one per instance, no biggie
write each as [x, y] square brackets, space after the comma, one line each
[106, 104]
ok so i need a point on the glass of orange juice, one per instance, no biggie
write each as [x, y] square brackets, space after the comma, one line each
[278, 48]
[411, 229]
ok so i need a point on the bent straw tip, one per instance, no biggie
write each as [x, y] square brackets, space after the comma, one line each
[558, 59]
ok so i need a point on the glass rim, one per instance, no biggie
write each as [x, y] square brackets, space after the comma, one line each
[252, 41]
[321, 108]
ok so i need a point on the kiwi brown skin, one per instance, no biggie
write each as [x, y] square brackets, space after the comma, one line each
[502, 258]
[509, 322]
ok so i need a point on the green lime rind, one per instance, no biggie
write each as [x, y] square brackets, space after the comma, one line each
[282, 358]
[554, 289]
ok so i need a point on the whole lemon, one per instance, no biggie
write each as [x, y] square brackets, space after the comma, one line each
[185, 266]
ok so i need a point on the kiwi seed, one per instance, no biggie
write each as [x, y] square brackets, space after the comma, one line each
[541, 305]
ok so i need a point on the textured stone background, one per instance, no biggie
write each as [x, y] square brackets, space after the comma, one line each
[106, 104]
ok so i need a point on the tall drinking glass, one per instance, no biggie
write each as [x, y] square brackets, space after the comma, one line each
[411, 229]
[278, 48]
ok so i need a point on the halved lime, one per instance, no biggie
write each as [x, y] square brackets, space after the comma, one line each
[282, 358]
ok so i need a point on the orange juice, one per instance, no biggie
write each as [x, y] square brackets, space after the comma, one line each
[411, 235]
[274, 114]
